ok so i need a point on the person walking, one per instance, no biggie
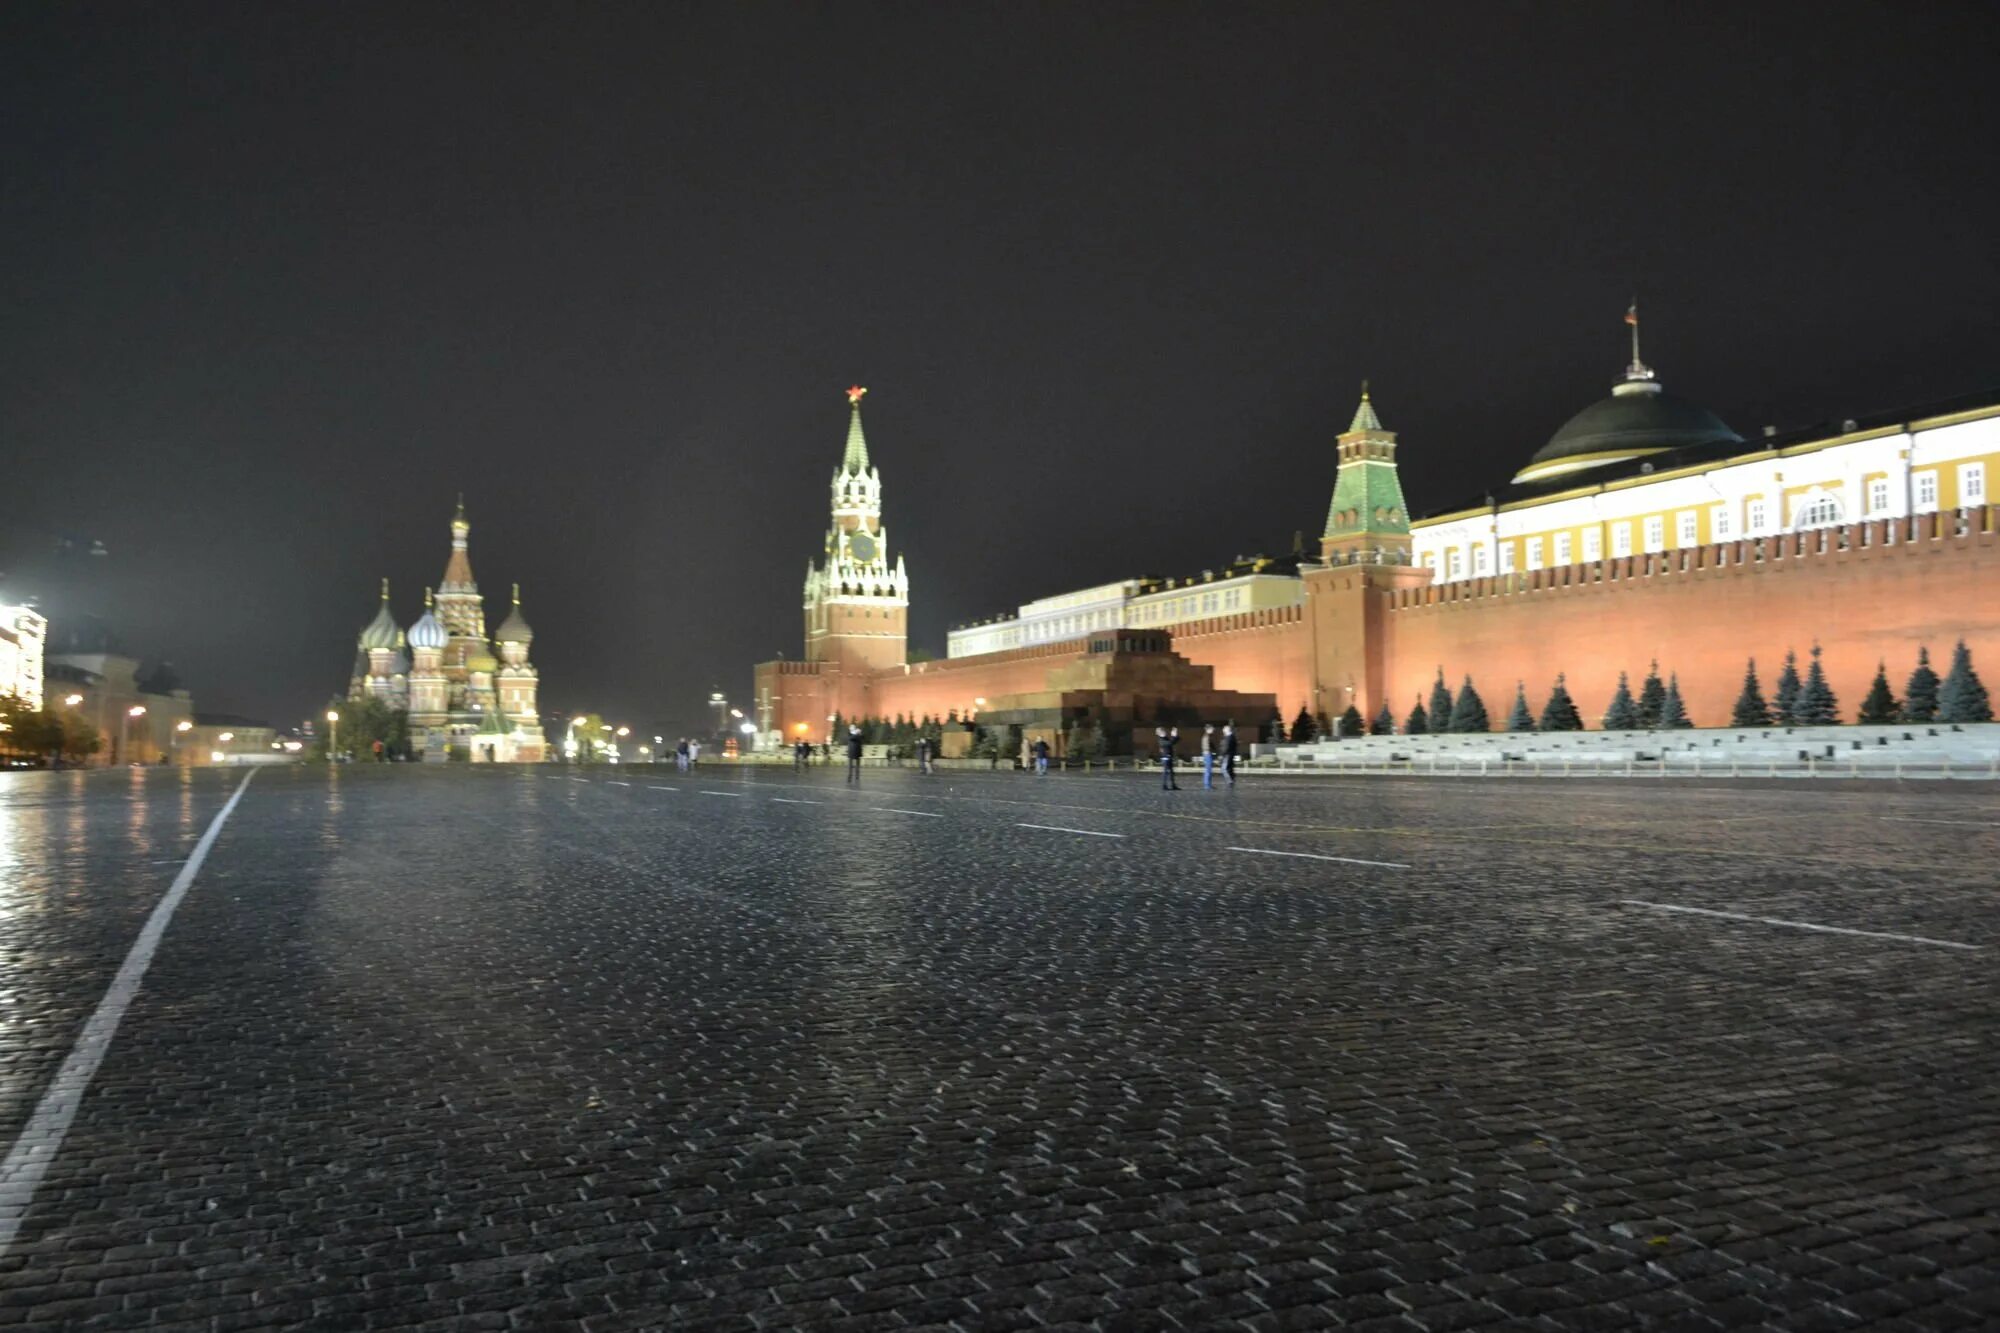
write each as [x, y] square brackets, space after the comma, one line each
[694, 754]
[1042, 757]
[800, 752]
[1167, 739]
[681, 755]
[924, 755]
[1208, 757]
[1229, 752]
[853, 754]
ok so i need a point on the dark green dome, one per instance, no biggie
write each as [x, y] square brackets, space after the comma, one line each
[1639, 418]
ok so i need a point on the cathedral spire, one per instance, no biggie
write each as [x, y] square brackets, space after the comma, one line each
[856, 459]
[458, 570]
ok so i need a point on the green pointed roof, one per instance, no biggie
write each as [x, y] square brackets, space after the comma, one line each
[382, 632]
[1364, 415]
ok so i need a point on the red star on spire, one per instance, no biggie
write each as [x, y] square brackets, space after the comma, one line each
[854, 395]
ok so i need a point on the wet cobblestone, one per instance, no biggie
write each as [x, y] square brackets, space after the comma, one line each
[465, 1049]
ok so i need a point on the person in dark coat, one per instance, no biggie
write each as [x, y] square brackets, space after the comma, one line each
[1167, 737]
[1041, 758]
[1229, 753]
[853, 754]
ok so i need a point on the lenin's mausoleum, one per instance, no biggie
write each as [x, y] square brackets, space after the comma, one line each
[1644, 530]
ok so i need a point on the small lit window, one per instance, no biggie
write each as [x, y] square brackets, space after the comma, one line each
[1621, 539]
[1926, 492]
[1534, 553]
[1690, 528]
[1656, 533]
[1878, 495]
[1972, 484]
[1822, 511]
[1722, 523]
[1562, 540]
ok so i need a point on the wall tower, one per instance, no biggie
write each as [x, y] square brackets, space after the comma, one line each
[856, 602]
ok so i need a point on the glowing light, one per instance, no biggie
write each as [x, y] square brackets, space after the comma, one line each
[72, 700]
[624, 731]
[136, 710]
[854, 395]
[183, 725]
[226, 737]
[216, 756]
[748, 728]
[332, 716]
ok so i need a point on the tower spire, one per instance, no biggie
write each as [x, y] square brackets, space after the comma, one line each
[856, 458]
[385, 590]
[1364, 414]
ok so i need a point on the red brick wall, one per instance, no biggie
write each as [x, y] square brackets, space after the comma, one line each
[1866, 593]
[1256, 652]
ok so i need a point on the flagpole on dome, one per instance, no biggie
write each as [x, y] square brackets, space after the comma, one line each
[1638, 370]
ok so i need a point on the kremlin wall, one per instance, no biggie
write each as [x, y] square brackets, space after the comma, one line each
[1645, 530]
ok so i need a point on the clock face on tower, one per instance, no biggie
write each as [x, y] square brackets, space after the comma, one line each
[861, 546]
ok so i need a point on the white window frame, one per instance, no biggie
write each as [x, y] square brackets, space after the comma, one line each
[1482, 560]
[1925, 486]
[1971, 484]
[1756, 516]
[1454, 563]
[1562, 550]
[1818, 509]
[1534, 553]
[1593, 545]
[1689, 525]
[1721, 525]
[1878, 495]
[1506, 557]
[1656, 533]
[1621, 540]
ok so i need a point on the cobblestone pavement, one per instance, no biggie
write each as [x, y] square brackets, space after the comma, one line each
[464, 1048]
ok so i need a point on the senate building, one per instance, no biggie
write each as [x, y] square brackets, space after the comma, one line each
[1645, 530]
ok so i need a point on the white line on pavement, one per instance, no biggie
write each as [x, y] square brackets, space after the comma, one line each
[579, 779]
[42, 1139]
[1058, 828]
[787, 800]
[1912, 819]
[892, 810]
[722, 793]
[619, 784]
[651, 787]
[1797, 925]
[1315, 856]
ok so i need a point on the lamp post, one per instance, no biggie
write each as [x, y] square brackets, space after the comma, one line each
[125, 732]
[333, 736]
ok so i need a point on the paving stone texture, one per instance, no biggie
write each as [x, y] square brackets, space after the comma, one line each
[466, 1049]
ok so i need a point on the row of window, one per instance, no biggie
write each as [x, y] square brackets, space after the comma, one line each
[1813, 511]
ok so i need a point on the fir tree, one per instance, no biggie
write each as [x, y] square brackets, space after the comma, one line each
[1962, 698]
[1652, 698]
[1323, 726]
[1815, 705]
[1920, 696]
[1750, 710]
[1303, 727]
[1351, 723]
[1787, 700]
[1384, 723]
[1440, 708]
[1559, 713]
[1623, 715]
[1673, 712]
[1468, 711]
[1418, 723]
[1879, 708]
[1520, 719]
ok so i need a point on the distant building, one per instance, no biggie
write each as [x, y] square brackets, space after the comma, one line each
[23, 633]
[228, 738]
[137, 714]
[1645, 530]
[464, 700]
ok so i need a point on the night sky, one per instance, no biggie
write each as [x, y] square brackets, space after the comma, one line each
[283, 279]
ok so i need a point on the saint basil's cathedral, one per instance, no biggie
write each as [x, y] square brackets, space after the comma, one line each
[466, 697]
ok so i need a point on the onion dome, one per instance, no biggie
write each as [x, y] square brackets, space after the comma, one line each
[514, 629]
[427, 632]
[382, 632]
[482, 659]
[400, 664]
[1640, 418]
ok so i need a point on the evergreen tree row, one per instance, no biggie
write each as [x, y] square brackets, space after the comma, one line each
[1809, 702]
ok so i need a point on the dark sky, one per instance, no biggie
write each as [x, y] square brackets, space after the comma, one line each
[281, 279]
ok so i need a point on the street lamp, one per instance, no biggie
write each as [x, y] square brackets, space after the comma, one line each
[125, 731]
[72, 700]
[333, 738]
